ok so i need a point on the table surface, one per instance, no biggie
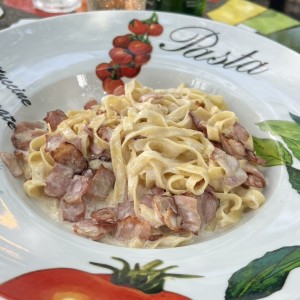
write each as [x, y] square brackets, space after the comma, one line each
[290, 37]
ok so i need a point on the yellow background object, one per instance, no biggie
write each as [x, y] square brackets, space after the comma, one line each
[234, 12]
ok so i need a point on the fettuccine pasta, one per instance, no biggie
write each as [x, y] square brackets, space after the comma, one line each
[151, 168]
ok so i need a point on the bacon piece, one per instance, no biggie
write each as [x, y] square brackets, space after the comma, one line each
[22, 158]
[233, 147]
[90, 103]
[150, 97]
[105, 133]
[104, 216]
[73, 212]
[53, 141]
[54, 118]
[58, 180]
[199, 124]
[89, 228]
[76, 189]
[155, 234]
[239, 150]
[166, 208]
[131, 228]
[208, 205]
[11, 162]
[94, 164]
[25, 132]
[147, 195]
[235, 143]
[100, 185]
[188, 210]
[125, 209]
[106, 156]
[89, 173]
[255, 177]
[77, 142]
[95, 151]
[147, 200]
[88, 130]
[67, 154]
[240, 133]
[235, 176]
[156, 191]
[255, 159]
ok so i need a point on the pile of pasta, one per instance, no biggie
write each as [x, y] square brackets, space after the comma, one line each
[154, 143]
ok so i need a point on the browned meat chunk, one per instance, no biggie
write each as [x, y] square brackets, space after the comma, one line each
[105, 133]
[125, 209]
[235, 143]
[53, 141]
[11, 162]
[25, 132]
[132, 228]
[188, 210]
[67, 154]
[54, 118]
[89, 228]
[235, 176]
[73, 212]
[90, 104]
[58, 180]
[255, 177]
[105, 216]
[166, 208]
[76, 189]
[208, 205]
[100, 185]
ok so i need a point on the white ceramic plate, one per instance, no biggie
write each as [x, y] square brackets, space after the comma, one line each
[50, 64]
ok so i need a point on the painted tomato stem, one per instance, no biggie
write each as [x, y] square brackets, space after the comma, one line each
[153, 264]
[147, 278]
[104, 266]
[152, 19]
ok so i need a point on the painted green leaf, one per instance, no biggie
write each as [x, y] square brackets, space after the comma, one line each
[294, 177]
[295, 118]
[263, 276]
[293, 145]
[272, 151]
[282, 128]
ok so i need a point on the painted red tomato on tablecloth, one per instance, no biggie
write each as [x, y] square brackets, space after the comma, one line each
[139, 283]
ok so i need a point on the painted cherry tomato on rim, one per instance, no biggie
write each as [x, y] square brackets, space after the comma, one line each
[113, 86]
[102, 71]
[131, 51]
[141, 59]
[138, 27]
[122, 41]
[155, 29]
[120, 55]
[139, 47]
[130, 71]
[114, 68]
